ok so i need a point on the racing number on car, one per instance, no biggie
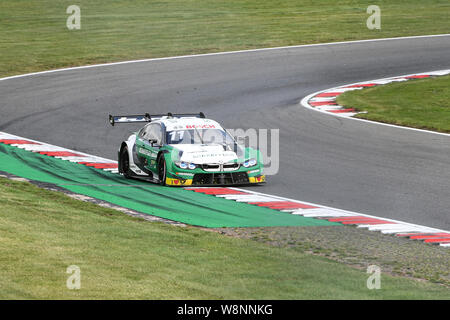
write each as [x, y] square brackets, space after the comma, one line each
[176, 135]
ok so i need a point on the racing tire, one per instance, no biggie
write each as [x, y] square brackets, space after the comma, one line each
[162, 170]
[125, 163]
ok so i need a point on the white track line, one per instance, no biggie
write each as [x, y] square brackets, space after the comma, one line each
[394, 227]
[324, 108]
[45, 147]
[42, 146]
[434, 230]
[223, 53]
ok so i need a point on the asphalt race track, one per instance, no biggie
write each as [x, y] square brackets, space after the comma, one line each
[383, 171]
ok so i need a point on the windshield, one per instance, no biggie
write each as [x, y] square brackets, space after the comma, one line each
[199, 136]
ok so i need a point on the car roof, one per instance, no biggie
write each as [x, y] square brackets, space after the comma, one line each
[188, 123]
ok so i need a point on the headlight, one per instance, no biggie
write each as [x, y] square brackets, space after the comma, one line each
[185, 165]
[250, 163]
[192, 166]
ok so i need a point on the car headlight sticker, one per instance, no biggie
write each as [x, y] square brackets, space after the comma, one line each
[192, 166]
[185, 165]
[250, 163]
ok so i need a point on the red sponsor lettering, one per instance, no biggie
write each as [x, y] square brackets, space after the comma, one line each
[200, 126]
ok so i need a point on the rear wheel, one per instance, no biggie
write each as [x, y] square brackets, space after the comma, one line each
[125, 163]
[162, 171]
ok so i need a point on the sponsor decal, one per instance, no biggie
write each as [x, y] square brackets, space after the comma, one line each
[200, 126]
[146, 152]
[185, 174]
[257, 179]
[178, 182]
[212, 155]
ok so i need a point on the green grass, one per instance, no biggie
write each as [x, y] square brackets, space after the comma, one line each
[34, 36]
[423, 104]
[43, 232]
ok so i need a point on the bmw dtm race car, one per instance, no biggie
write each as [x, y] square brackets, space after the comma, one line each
[184, 150]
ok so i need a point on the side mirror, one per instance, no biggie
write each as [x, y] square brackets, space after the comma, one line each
[153, 142]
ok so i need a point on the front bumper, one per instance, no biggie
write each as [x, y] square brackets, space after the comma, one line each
[216, 179]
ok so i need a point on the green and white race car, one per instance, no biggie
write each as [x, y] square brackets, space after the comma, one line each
[185, 150]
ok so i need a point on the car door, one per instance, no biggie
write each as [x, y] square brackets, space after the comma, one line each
[148, 143]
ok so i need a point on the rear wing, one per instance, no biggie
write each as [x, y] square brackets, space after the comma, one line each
[149, 117]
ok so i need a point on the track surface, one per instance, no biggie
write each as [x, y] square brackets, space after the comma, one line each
[387, 172]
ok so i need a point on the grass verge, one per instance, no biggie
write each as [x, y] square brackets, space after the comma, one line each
[43, 232]
[423, 104]
[359, 248]
[34, 35]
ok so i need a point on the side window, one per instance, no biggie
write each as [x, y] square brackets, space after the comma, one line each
[152, 131]
[157, 133]
[145, 132]
[142, 132]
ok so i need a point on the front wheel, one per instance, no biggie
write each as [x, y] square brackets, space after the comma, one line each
[162, 171]
[125, 163]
